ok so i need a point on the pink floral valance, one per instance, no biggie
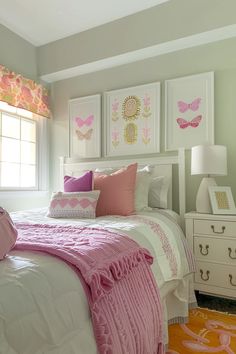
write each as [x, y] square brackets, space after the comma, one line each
[24, 93]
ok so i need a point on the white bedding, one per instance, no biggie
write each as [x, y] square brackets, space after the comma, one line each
[171, 213]
[43, 308]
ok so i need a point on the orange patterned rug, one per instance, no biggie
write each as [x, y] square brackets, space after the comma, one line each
[207, 332]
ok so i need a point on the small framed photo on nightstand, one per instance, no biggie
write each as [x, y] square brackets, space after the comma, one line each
[222, 201]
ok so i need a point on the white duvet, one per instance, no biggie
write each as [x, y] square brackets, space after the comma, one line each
[43, 308]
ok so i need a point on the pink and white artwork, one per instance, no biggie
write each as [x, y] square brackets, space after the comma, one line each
[88, 121]
[133, 120]
[85, 126]
[189, 111]
[193, 106]
[194, 123]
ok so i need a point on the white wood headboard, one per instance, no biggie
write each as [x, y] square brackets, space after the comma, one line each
[163, 167]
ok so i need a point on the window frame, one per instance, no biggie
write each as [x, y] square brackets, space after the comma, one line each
[41, 162]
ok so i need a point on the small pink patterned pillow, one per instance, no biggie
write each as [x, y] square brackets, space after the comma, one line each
[73, 205]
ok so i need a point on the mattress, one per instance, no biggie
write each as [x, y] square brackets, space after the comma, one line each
[43, 308]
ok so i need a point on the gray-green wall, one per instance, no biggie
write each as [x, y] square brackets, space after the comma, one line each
[20, 56]
[169, 21]
[219, 57]
[17, 54]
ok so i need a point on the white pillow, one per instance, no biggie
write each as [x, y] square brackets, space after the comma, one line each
[158, 192]
[143, 179]
[141, 188]
[106, 170]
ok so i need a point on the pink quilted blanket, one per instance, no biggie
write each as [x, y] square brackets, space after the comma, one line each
[122, 293]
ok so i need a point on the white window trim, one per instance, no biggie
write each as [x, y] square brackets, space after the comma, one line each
[43, 155]
[42, 161]
[36, 187]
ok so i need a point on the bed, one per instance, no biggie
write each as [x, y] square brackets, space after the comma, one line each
[43, 307]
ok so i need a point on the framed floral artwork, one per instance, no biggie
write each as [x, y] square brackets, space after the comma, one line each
[132, 120]
[189, 111]
[222, 201]
[85, 126]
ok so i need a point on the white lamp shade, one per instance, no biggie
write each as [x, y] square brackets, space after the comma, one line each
[209, 160]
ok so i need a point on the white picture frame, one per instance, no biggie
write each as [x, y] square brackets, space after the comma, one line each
[189, 111]
[85, 126]
[222, 201]
[132, 120]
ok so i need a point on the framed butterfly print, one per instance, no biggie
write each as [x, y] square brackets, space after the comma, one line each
[189, 111]
[133, 120]
[85, 126]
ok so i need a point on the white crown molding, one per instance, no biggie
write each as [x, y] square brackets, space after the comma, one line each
[144, 53]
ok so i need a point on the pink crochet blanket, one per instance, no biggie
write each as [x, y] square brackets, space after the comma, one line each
[122, 293]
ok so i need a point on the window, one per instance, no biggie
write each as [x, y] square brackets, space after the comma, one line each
[19, 149]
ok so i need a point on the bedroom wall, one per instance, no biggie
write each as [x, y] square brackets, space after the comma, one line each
[17, 54]
[166, 22]
[219, 57]
[20, 56]
[169, 21]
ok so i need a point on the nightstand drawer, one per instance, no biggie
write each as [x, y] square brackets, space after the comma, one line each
[215, 249]
[216, 274]
[215, 228]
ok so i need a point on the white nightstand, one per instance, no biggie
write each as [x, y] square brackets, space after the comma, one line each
[212, 239]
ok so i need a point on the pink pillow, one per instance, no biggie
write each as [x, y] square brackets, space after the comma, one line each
[73, 205]
[8, 233]
[79, 184]
[117, 191]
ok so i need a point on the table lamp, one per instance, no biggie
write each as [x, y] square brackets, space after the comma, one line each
[210, 160]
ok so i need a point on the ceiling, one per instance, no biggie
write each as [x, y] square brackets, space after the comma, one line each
[45, 21]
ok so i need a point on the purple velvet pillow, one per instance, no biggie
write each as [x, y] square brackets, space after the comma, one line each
[79, 184]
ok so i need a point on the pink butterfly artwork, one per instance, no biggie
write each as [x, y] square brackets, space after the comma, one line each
[87, 121]
[84, 136]
[194, 123]
[193, 106]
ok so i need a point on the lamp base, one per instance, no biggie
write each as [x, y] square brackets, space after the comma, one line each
[203, 204]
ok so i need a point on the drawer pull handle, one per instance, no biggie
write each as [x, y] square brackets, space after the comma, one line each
[218, 232]
[207, 275]
[230, 252]
[204, 253]
[231, 280]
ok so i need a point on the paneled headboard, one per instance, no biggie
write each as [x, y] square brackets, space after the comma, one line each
[163, 167]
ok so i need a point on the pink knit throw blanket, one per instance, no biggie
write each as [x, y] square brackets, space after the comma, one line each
[122, 293]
